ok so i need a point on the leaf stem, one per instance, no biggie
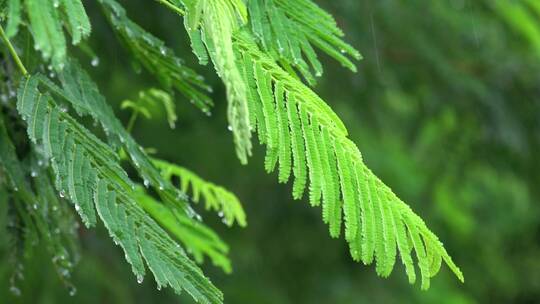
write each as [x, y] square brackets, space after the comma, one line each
[172, 7]
[132, 120]
[13, 52]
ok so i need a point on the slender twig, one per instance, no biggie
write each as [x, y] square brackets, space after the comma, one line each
[172, 7]
[13, 52]
[132, 120]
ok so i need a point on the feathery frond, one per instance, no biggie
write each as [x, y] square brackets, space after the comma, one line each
[150, 99]
[46, 21]
[157, 58]
[13, 17]
[289, 30]
[198, 239]
[377, 223]
[216, 197]
[211, 25]
[87, 171]
[43, 216]
[82, 93]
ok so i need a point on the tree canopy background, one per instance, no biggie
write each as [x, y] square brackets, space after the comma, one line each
[445, 107]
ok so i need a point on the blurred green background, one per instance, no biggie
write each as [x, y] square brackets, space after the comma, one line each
[445, 108]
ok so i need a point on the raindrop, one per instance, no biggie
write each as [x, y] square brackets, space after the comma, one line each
[146, 183]
[33, 173]
[95, 62]
[229, 128]
[65, 273]
[62, 194]
[77, 207]
[72, 291]
[15, 291]
[140, 279]
[35, 206]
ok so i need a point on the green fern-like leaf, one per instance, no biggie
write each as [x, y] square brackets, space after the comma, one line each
[13, 17]
[46, 22]
[289, 30]
[211, 25]
[88, 173]
[157, 58]
[44, 217]
[198, 239]
[82, 93]
[378, 224]
[148, 100]
[79, 24]
[216, 197]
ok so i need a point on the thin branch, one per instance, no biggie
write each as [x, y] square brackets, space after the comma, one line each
[13, 52]
[172, 7]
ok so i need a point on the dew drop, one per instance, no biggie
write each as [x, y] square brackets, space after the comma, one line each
[62, 194]
[140, 279]
[146, 183]
[72, 291]
[15, 290]
[95, 62]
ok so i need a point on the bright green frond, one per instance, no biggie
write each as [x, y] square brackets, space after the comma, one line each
[212, 23]
[376, 221]
[216, 197]
[150, 101]
[289, 30]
